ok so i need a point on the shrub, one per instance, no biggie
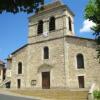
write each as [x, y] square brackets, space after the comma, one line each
[96, 95]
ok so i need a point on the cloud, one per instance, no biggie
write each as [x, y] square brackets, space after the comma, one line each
[87, 26]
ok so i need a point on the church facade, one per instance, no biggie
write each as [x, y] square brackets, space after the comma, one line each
[54, 57]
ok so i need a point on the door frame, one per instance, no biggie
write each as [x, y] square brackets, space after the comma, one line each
[18, 83]
[81, 81]
[46, 80]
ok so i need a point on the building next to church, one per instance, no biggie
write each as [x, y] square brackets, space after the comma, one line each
[54, 57]
[2, 71]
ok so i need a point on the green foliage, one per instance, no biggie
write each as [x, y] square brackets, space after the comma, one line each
[92, 12]
[96, 95]
[89, 11]
[15, 6]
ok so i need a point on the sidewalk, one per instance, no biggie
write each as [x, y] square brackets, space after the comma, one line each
[7, 92]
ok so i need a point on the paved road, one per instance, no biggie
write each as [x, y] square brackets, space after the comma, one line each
[8, 97]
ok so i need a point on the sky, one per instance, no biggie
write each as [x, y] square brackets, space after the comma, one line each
[14, 27]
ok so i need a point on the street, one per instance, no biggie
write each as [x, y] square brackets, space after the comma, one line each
[9, 97]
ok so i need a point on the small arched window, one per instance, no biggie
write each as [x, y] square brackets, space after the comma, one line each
[70, 23]
[80, 61]
[20, 68]
[46, 52]
[40, 27]
[52, 24]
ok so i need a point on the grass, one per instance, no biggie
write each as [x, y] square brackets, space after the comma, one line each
[54, 94]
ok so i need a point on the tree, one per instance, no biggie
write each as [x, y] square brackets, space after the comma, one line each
[15, 6]
[92, 12]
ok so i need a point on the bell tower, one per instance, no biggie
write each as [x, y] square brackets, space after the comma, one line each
[51, 21]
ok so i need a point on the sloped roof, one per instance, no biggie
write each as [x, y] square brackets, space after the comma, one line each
[19, 49]
[55, 5]
[52, 5]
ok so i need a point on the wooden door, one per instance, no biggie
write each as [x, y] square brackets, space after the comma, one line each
[45, 80]
[81, 81]
[18, 83]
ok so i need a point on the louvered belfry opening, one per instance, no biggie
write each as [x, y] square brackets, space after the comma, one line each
[52, 24]
[40, 27]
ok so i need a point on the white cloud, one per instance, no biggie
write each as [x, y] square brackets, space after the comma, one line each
[87, 26]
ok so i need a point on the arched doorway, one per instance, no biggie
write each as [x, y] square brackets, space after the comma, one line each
[45, 71]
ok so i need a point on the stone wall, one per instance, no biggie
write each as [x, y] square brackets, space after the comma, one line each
[55, 61]
[1, 74]
[91, 72]
[62, 63]
[20, 56]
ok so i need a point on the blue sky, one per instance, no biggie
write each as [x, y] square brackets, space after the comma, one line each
[14, 28]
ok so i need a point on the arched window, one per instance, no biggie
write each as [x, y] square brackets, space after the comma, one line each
[70, 23]
[40, 27]
[80, 61]
[52, 24]
[46, 53]
[19, 68]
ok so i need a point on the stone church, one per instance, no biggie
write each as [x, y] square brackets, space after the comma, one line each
[53, 57]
